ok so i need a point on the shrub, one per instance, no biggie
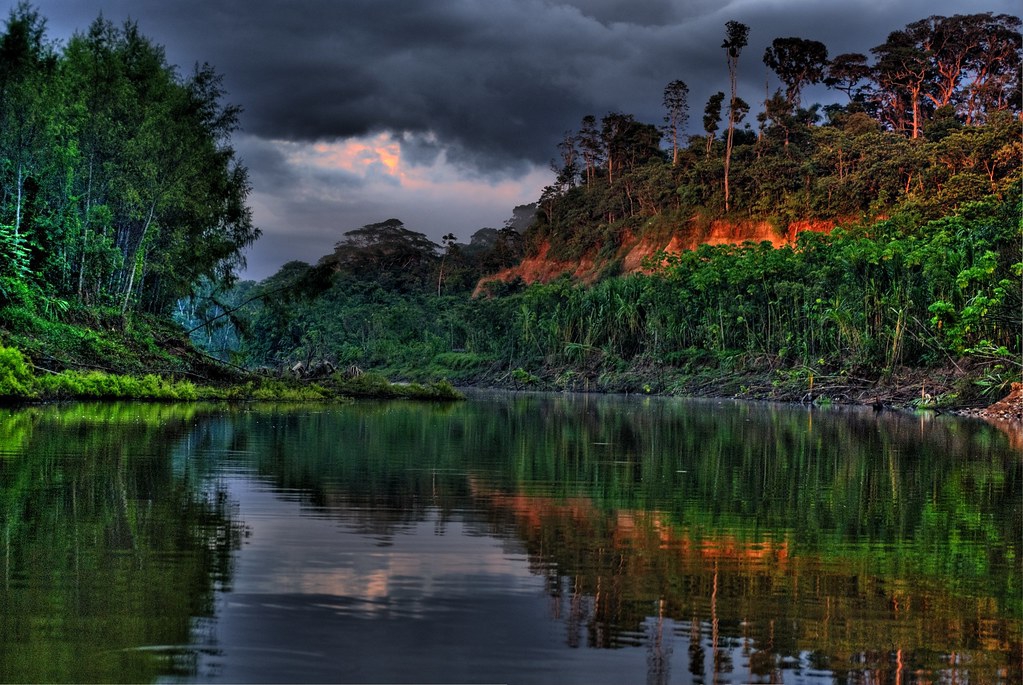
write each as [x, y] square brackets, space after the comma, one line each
[16, 380]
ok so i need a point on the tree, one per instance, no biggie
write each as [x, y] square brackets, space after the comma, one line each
[712, 117]
[949, 42]
[736, 37]
[507, 250]
[797, 62]
[778, 111]
[613, 131]
[26, 63]
[145, 195]
[396, 256]
[569, 169]
[449, 248]
[627, 143]
[676, 102]
[845, 72]
[994, 68]
[590, 147]
[902, 72]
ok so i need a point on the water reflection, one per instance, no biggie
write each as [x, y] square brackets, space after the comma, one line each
[111, 559]
[514, 538]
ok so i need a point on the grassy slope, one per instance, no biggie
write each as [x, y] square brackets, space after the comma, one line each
[94, 354]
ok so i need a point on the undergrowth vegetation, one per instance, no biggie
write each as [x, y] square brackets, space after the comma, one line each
[19, 381]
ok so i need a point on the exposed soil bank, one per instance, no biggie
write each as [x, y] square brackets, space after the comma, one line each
[633, 250]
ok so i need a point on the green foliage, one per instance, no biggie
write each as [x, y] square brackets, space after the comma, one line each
[17, 382]
[996, 380]
[120, 187]
[524, 378]
[16, 379]
[15, 246]
[100, 385]
[864, 301]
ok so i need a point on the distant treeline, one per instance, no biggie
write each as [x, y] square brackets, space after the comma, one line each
[860, 303]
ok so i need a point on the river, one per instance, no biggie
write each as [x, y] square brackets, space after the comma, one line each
[519, 538]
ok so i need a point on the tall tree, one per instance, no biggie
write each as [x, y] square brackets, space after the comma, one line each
[590, 146]
[613, 133]
[26, 64]
[949, 42]
[798, 62]
[846, 71]
[450, 248]
[569, 169]
[712, 117]
[902, 74]
[736, 37]
[96, 115]
[676, 102]
[994, 75]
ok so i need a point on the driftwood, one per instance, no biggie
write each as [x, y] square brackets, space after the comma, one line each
[315, 370]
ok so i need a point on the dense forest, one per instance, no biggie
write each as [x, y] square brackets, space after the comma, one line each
[917, 166]
[115, 168]
[118, 185]
[119, 192]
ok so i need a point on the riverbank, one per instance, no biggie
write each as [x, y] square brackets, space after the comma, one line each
[961, 388]
[950, 390]
[21, 380]
[104, 357]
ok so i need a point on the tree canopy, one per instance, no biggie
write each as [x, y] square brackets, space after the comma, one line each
[119, 183]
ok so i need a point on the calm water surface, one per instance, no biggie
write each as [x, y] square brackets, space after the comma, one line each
[510, 538]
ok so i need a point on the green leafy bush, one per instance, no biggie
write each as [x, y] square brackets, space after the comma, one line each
[16, 378]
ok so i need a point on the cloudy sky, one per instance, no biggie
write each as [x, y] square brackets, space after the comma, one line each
[446, 113]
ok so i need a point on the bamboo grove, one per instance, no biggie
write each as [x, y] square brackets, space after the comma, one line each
[118, 186]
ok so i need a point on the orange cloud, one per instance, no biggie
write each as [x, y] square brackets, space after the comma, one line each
[372, 156]
[359, 156]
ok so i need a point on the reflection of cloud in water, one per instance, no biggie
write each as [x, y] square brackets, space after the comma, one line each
[290, 553]
[318, 602]
[732, 519]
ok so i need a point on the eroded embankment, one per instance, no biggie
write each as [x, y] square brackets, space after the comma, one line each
[635, 251]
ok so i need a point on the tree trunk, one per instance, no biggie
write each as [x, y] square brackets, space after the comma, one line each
[17, 209]
[135, 259]
[728, 157]
[85, 234]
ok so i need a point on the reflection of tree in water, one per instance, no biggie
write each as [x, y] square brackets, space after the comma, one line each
[622, 579]
[111, 553]
[659, 649]
[850, 529]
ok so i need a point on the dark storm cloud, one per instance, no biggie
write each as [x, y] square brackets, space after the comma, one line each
[496, 82]
[486, 88]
